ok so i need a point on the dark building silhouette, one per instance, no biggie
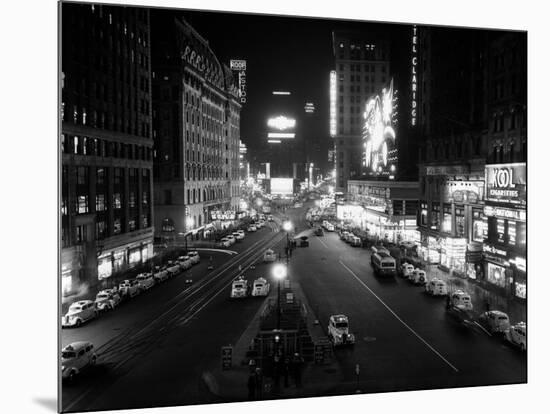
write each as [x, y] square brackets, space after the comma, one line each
[106, 142]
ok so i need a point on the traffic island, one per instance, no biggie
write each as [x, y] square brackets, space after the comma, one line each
[279, 355]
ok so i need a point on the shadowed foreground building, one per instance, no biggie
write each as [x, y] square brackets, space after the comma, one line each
[106, 145]
[196, 131]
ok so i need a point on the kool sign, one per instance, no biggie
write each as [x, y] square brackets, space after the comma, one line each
[506, 183]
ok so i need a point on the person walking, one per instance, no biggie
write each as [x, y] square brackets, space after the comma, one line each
[251, 387]
[297, 369]
[259, 382]
[286, 370]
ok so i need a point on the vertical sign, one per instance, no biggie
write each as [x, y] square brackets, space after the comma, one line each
[227, 357]
[333, 103]
[239, 66]
[414, 79]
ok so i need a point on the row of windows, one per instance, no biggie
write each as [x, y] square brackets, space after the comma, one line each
[513, 121]
[103, 120]
[365, 67]
[81, 145]
[357, 88]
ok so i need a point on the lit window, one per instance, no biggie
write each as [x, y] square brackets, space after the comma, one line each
[116, 200]
[82, 204]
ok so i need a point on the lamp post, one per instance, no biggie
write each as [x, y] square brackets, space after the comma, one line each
[189, 222]
[287, 226]
[279, 272]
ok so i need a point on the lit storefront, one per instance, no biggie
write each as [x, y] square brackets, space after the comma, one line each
[504, 248]
[120, 259]
[387, 210]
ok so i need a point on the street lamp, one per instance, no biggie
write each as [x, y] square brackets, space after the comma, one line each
[279, 272]
[189, 222]
[287, 226]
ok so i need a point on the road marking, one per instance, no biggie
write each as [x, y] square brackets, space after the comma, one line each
[398, 318]
[231, 252]
[323, 243]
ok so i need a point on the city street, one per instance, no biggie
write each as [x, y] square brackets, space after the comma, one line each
[404, 338]
[160, 348]
[155, 349]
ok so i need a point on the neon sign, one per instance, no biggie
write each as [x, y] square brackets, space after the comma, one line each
[281, 123]
[333, 103]
[414, 62]
[378, 132]
[239, 65]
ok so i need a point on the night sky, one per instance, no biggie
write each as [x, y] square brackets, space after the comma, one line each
[282, 53]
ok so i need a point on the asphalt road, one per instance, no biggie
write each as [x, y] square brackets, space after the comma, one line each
[405, 340]
[157, 349]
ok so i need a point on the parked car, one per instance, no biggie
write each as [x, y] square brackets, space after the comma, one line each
[329, 227]
[231, 239]
[76, 357]
[418, 277]
[344, 235]
[495, 321]
[461, 299]
[107, 299]
[129, 288]
[437, 287]
[160, 274]
[78, 313]
[355, 241]
[225, 242]
[145, 280]
[185, 262]
[338, 331]
[517, 335]
[239, 235]
[251, 228]
[269, 256]
[173, 268]
[195, 256]
[260, 224]
[270, 218]
[319, 231]
[406, 269]
[260, 287]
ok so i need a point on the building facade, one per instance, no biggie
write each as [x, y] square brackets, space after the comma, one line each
[362, 68]
[196, 131]
[106, 143]
[472, 118]
[386, 210]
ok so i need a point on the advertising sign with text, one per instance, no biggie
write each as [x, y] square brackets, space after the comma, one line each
[506, 183]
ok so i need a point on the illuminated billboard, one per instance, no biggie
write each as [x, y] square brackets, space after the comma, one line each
[280, 127]
[379, 137]
[282, 186]
[281, 123]
[506, 183]
[333, 103]
[239, 66]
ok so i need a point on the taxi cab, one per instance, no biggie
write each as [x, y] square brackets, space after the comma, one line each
[461, 299]
[269, 256]
[239, 288]
[406, 269]
[436, 287]
[75, 357]
[495, 321]
[418, 277]
[78, 313]
[517, 335]
[260, 287]
[107, 299]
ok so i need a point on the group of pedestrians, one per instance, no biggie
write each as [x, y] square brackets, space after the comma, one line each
[284, 367]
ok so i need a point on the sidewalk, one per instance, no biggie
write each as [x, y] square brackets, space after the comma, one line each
[516, 311]
[231, 384]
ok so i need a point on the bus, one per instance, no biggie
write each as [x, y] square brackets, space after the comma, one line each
[383, 264]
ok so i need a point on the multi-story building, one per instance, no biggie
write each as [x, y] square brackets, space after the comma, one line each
[106, 143]
[505, 209]
[196, 124]
[472, 111]
[362, 68]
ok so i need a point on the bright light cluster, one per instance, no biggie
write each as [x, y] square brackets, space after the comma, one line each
[378, 132]
[281, 123]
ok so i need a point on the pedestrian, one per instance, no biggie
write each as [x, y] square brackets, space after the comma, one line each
[297, 369]
[259, 382]
[286, 370]
[251, 387]
[276, 370]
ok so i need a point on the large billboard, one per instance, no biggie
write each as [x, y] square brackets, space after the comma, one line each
[281, 127]
[379, 137]
[506, 184]
[282, 186]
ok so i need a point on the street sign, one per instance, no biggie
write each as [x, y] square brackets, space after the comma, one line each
[227, 357]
